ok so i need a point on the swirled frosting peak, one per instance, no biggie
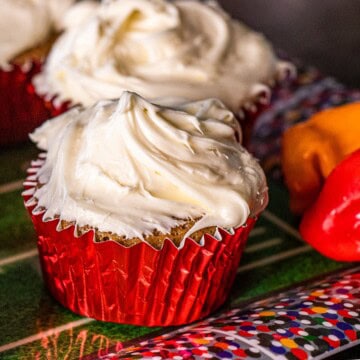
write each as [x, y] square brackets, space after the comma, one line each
[185, 50]
[129, 167]
[26, 23]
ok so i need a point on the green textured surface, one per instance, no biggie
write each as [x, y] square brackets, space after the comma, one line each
[16, 230]
[15, 161]
[22, 288]
[284, 273]
[75, 343]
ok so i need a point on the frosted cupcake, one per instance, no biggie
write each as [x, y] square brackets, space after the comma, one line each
[27, 30]
[173, 51]
[148, 206]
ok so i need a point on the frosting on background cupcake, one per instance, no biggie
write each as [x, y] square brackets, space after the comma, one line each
[27, 23]
[130, 167]
[184, 50]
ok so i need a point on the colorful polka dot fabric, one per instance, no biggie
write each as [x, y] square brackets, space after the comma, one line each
[308, 322]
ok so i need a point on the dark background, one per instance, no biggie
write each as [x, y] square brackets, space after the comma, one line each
[324, 33]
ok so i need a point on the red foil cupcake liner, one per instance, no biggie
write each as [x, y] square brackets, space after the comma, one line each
[22, 110]
[137, 285]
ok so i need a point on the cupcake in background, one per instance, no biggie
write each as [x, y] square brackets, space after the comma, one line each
[174, 51]
[28, 29]
[142, 211]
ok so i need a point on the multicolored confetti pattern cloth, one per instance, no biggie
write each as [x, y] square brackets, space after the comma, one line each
[308, 322]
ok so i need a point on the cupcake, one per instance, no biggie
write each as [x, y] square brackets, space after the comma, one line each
[27, 31]
[142, 211]
[165, 51]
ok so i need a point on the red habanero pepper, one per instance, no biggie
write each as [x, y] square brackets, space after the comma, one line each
[332, 224]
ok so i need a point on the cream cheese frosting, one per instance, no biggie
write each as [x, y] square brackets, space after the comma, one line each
[185, 50]
[26, 23]
[129, 167]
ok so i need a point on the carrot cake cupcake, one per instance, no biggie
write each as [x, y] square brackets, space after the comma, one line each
[147, 206]
[28, 28]
[165, 51]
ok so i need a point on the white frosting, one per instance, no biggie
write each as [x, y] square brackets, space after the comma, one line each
[26, 23]
[129, 167]
[185, 50]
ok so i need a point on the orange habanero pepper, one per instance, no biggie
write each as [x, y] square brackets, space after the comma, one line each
[312, 149]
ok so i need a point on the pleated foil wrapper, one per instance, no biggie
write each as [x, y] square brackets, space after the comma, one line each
[136, 285]
[22, 110]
